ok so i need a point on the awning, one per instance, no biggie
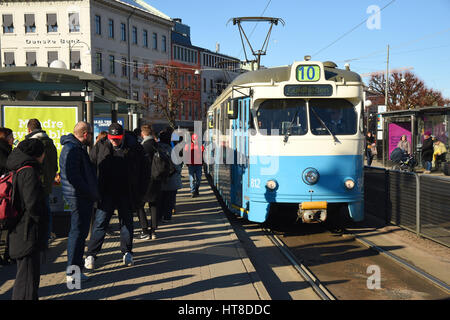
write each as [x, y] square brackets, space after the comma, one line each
[51, 19]
[7, 20]
[9, 58]
[52, 56]
[29, 20]
[31, 59]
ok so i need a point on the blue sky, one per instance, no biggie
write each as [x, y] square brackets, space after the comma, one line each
[418, 32]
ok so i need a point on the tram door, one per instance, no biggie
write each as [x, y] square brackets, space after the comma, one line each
[240, 145]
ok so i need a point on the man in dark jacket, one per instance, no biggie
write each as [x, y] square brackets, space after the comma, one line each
[50, 164]
[123, 176]
[427, 151]
[153, 190]
[29, 236]
[79, 187]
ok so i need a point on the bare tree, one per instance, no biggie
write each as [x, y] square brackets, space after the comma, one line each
[172, 84]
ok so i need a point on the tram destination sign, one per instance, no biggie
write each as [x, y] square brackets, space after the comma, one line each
[308, 90]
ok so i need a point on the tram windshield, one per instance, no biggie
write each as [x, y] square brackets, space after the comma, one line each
[282, 117]
[337, 116]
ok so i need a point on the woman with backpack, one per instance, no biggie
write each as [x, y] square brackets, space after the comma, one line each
[29, 235]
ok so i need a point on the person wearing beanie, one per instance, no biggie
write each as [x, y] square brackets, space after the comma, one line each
[123, 176]
[28, 238]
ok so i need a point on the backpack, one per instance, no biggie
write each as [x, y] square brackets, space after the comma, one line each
[8, 213]
[162, 165]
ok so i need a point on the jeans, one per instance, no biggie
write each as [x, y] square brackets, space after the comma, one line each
[80, 220]
[166, 204]
[369, 157]
[101, 222]
[428, 165]
[195, 176]
[143, 217]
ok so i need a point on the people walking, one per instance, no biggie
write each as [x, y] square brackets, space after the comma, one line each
[171, 184]
[28, 238]
[49, 166]
[427, 151]
[122, 171]
[79, 188]
[195, 162]
[370, 148]
[153, 190]
[6, 142]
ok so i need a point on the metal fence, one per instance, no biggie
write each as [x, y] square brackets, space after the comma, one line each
[419, 203]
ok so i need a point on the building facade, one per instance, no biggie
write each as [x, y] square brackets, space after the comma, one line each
[112, 38]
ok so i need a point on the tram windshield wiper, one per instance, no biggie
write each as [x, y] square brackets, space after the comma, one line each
[336, 140]
[288, 131]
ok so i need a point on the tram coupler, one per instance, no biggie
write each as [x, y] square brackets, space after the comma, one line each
[312, 212]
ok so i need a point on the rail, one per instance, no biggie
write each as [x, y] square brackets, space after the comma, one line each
[419, 203]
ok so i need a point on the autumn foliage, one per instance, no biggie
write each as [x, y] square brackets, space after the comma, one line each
[406, 91]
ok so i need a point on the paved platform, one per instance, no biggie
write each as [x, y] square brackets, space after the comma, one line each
[195, 257]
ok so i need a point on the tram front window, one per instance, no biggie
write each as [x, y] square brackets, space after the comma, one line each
[282, 117]
[337, 116]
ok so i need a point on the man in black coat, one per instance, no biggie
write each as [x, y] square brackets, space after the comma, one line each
[79, 188]
[427, 151]
[29, 236]
[153, 190]
[123, 174]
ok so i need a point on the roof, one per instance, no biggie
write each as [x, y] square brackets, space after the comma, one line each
[144, 6]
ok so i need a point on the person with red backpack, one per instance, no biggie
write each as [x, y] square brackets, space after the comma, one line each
[28, 237]
[194, 164]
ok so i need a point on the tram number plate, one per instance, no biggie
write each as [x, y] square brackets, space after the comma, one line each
[308, 73]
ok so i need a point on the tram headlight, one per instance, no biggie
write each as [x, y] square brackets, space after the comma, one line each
[271, 184]
[349, 184]
[310, 176]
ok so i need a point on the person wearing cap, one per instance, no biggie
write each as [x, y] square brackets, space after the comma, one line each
[28, 238]
[427, 151]
[79, 188]
[123, 175]
[194, 164]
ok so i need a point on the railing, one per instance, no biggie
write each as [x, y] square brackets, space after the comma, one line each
[419, 203]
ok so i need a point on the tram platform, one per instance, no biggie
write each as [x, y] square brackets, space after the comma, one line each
[196, 256]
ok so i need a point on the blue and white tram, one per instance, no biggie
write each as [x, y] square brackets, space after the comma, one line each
[289, 135]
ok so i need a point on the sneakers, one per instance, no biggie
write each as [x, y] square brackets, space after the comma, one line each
[143, 236]
[83, 278]
[89, 263]
[128, 259]
[153, 236]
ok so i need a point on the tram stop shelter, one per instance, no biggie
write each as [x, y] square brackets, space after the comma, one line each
[413, 123]
[59, 98]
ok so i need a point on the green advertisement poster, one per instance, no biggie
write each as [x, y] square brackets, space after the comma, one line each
[56, 121]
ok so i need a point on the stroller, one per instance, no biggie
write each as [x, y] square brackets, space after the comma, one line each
[403, 161]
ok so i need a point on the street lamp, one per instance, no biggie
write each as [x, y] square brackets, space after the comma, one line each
[87, 52]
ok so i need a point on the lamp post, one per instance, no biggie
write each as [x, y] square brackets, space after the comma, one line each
[87, 52]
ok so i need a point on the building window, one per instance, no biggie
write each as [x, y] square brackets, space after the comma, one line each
[124, 67]
[30, 24]
[164, 44]
[111, 28]
[112, 65]
[123, 32]
[98, 62]
[52, 22]
[31, 59]
[136, 95]
[155, 41]
[190, 110]
[146, 70]
[145, 38]
[51, 56]
[135, 69]
[204, 84]
[74, 22]
[9, 59]
[134, 35]
[8, 25]
[75, 60]
[98, 24]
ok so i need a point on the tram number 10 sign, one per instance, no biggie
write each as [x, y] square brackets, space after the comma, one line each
[308, 73]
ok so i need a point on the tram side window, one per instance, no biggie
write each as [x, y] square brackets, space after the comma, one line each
[282, 116]
[338, 115]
